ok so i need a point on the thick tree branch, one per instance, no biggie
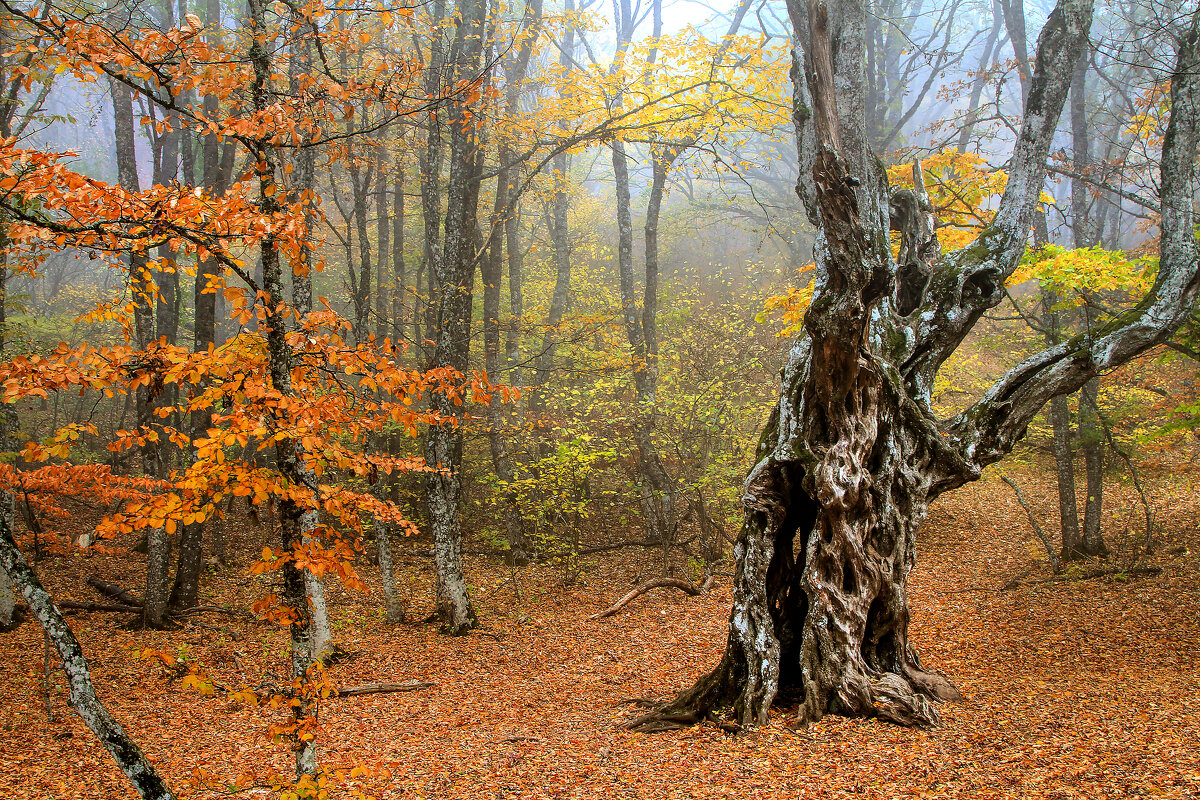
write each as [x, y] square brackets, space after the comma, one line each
[988, 429]
[970, 281]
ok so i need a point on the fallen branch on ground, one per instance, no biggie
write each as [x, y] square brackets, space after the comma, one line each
[1098, 572]
[71, 605]
[685, 586]
[114, 591]
[382, 688]
[127, 602]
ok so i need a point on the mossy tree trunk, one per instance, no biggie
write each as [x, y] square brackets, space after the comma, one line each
[853, 453]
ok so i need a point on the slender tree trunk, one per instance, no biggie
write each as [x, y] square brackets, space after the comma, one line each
[981, 77]
[297, 519]
[493, 263]
[454, 276]
[561, 245]
[505, 231]
[8, 600]
[186, 588]
[168, 171]
[306, 182]
[393, 607]
[398, 277]
[158, 544]
[9, 422]
[383, 226]
[83, 699]
[560, 237]
[360, 185]
[1064, 452]
[516, 290]
[1092, 443]
[1064, 461]
[657, 488]
[1090, 440]
[430, 166]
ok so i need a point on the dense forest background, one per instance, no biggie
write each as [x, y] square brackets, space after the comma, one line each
[334, 317]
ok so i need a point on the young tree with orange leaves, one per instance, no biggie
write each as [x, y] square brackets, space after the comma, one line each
[288, 383]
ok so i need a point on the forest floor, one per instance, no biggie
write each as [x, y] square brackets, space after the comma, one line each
[1074, 688]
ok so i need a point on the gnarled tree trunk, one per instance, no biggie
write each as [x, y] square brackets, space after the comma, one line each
[854, 453]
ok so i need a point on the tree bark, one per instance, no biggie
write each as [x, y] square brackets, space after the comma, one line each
[83, 699]
[1085, 234]
[430, 165]
[306, 180]
[398, 277]
[1091, 442]
[360, 186]
[186, 587]
[656, 485]
[505, 234]
[383, 235]
[497, 430]
[8, 599]
[297, 519]
[981, 76]
[1062, 446]
[853, 452]
[158, 544]
[393, 607]
[657, 488]
[454, 275]
[560, 242]
[1064, 467]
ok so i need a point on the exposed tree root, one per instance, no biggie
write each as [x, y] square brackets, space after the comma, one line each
[661, 722]
[906, 700]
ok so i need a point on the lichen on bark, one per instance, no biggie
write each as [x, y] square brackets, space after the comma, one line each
[853, 453]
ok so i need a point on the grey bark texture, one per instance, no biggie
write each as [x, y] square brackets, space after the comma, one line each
[83, 699]
[853, 452]
[296, 520]
[8, 597]
[453, 276]
[393, 607]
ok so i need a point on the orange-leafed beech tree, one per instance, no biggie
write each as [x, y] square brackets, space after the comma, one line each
[284, 413]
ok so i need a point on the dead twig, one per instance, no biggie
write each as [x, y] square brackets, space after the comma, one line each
[1055, 565]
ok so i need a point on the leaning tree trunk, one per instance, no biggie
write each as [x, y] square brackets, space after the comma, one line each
[854, 452]
[82, 697]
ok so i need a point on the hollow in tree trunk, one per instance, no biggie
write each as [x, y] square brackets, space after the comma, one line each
[854, 453]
